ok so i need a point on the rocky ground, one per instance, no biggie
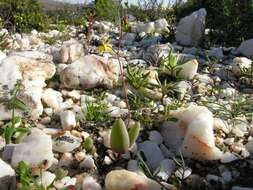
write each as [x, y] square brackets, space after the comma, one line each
[61, 94]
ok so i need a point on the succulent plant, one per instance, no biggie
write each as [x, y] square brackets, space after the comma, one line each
[121, 139]
[88, 144]
[134, 132]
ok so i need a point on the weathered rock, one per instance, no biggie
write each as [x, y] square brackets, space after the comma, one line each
[240, 63]
[188, 69]
[46, 179]
[7, 176]
[66, 143]
[69, 52]
[35, 150]
[246, 48]
[89, 72]
[161, 25]
[52, 98]
[153, 154]
[126, 180]
[194, 132]
[89, 183]
[68, 119]
[2, 56]
[32, 68]
[191, 28]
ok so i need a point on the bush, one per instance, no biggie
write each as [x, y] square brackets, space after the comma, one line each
[22, 15]
[229, 21]
[107, 10]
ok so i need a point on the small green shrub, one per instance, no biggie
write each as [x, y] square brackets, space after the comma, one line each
[22, 15]
[106, 10]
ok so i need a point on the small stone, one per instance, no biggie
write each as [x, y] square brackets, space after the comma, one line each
[183, 173]
[126, 180]
[89, 183]
[241, 188]
[132, 165]
[68, 120]
[88, 163]
[65, 182]
[228, 157]
[79, 156]
[52, 98]
[155, 137]
[166, 168]
[66, 143]
[7, 176]
[46, 179]
[152, 153]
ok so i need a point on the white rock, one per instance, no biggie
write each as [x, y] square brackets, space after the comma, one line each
[240, 63]
[89, 183]
[65, 182]
[91, 71]
[6, 169]
[69, 52]
[228, 157]
[32, 68]
[66, 160]
[88, 163]
[183, 173]
[68, 119]
[191, 28]
[35, 150]
[193, 134]
[66, 143]
[46, 179]
[52, 98]
[226, 177]
[126, 180]
[7, 175]
[161, 26]
[188, 69]
[219, 124]
[152, 152]
[246, 48]
[166, 168]
[2, 56]
[155, 137]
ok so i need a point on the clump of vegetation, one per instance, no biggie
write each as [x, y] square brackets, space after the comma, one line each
[26, 180]
[106, 10]
[13, 128]
[95, 111]
[121, 139]
[22, 16]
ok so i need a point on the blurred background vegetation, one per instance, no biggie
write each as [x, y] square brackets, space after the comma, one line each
[229, 21]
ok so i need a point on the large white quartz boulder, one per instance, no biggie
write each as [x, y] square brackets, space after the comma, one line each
[69, 52]
[35, 150]
[7, 175]
[192, 134]
[126, 180]
[32, 68]
[91, 71]
[191, 28]
[246, 48]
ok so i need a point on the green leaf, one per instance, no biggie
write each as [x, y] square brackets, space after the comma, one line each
[88, 144]
[119, 137]
[134, 132]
